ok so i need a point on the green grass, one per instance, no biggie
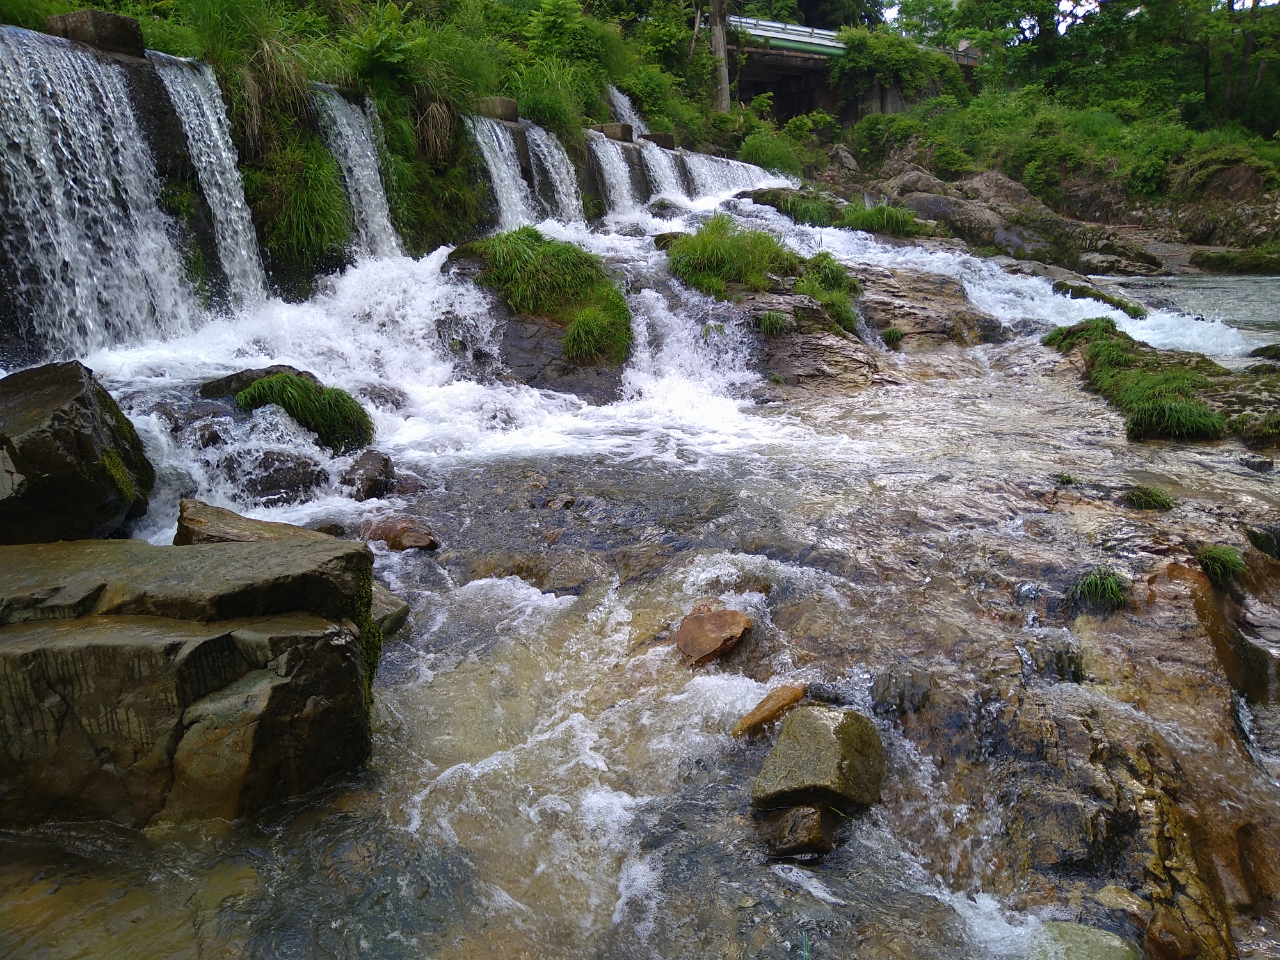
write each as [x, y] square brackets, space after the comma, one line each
[772, 323]
[1260, 261]
[1149, 498]
[1067, 479]
[339, 422]
[562, 283]
[1258, 431]
[1159, 396]
[1220, 564]
[720, 253]
[1101, 591]
[1077, 291]
[774, 151]
[802, 206]
[883, 218]
[892, 337]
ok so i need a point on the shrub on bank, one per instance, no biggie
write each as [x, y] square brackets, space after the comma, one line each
[562, 283]
[721, 252]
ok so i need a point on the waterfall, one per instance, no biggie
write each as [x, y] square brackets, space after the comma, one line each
[624, 112]
[194, 93]
[498, 147]
[348, 133]
[660, 166]
[82, 229]
[552, 168]
[715, 175]
[620, 195]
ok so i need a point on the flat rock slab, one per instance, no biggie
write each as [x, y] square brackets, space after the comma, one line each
[144, 719]
[822, 756]
[705, 635]
[214, 581]
[774, 705]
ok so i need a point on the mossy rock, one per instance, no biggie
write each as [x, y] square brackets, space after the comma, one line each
[823, 756]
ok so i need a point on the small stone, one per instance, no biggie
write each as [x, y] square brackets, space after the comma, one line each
[799, 831]
[369, 477]
[208, 435]
[406, 486]
[384, 395]
[822, 756]
[1257, 462]
[402, 533]
[706, 634]
[774, 705]
[389, 612]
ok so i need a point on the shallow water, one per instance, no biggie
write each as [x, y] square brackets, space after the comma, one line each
[1251, 304]
[548, 778]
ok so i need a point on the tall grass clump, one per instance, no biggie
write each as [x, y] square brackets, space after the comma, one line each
[882, 218]
[339, 422]
[720, 253]
[1159, 395]
[773, 151]
[562, 283]
[814, 209]
[828, 282]
[1149, 498]
[1220, 564]
[1101, 591]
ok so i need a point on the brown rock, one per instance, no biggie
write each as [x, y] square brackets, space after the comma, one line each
[370, 477]
[706, 634]
[775, 703]
[822, 756]
[402, 533]
[799, 831]
[929, 309]
[1169, 939]
[200, 522]
[498, 108]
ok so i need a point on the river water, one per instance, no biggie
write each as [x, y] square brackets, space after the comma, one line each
[548, 778]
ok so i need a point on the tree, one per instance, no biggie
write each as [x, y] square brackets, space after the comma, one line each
[720, 50]
[834, 14]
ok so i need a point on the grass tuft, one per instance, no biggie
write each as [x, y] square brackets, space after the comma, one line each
[1101, 590]
[1149, 498]
[720, 253]
[892, 337]
[562, 283]
[1077, 291]
[333, 415]
[1220, 564]
[893, 221]
[1067, 479]
[772, 323]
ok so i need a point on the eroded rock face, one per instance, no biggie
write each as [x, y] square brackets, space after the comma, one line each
[71, 464]
[931, 310]
[822, 756]
[139, 719]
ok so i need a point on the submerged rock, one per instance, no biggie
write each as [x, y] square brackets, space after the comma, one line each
[277, 477]
[708, 633]
[774, 705]
[930, 309]
[799, 831]
[71, 464]
[822, 756]
[1075, 941]
[232, 384]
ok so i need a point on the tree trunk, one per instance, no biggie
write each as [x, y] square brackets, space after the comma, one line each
[697, 25]
[720, 50]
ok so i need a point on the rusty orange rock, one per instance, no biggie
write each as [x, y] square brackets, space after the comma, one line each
[403, 533]
[774, 705]
[706, 634]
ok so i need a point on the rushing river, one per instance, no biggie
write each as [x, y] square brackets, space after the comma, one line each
[548, 778]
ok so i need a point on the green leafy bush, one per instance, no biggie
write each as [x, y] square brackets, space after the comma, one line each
[339, 422]
[773, 151]
[1220, 564]
[1100, 591]
[892, 337]
[560, 282]
[720, 253]
[1149, 498]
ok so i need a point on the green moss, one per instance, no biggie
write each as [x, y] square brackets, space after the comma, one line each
[115, 468]
[1101, 590]
[1149, 498]
[772, 323]
[371, 638]
[559, 282]
[1077, 291]
[1220, 564]
[1067, 339]
[336, 418]
[1257, 261]
[1067, 479]
[892, 337]
[720, 253]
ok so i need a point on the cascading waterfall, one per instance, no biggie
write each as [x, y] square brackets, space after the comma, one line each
[554, 176]
[625, 112]
[660, 166]
[193, 91]
[498, 147]
[348, 133]
[89, 243]
[715, 175]
[619, 193]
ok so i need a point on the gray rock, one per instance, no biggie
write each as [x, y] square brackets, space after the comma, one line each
[369, 478]
[844, 159]
[389, 612]
[1057, 940]
[277, 476]
[71, 464]
[1265, 537]
[1257, 462]
[975, 222]
[141, 719]
[915, 181]
[499, 108]
[800, 831]
[1114, 265]
[822, 756]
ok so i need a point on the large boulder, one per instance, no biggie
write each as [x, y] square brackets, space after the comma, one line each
[969, 219]
[144, 719]
[71, 464]
[822, 756]
[930, 309]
